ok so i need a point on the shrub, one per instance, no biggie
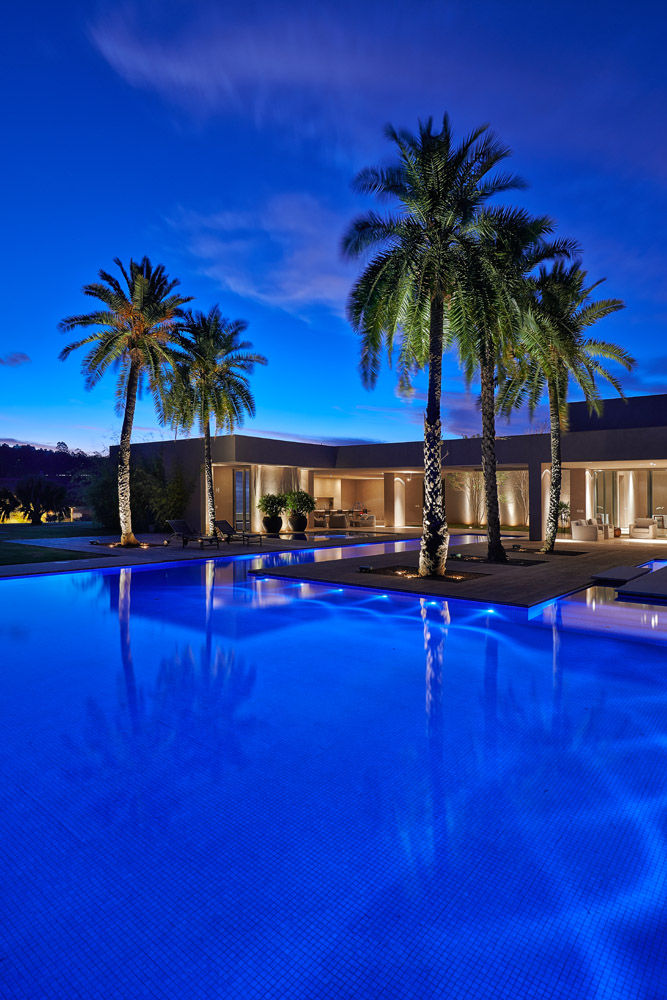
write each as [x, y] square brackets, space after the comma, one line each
[272, 504]
[299, 502]
[155, 495]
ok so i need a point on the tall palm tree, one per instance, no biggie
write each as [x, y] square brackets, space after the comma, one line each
[508, 244]
[557, 351]
[405, 290]
[210, 380]
[134, 331]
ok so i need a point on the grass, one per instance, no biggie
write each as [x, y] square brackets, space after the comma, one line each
[65, 529]
[18, 555]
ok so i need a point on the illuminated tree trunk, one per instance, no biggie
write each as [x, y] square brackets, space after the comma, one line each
[556, 471]
[435, 539]
[124, 510]
[208, 476]
[495, 552]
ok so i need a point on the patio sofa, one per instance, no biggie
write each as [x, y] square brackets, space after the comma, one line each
[643, 527]
[586, 531]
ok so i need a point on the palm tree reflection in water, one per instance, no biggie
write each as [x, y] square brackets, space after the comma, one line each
[435, 618]
[144, 757]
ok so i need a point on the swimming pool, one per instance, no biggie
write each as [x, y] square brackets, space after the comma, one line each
[220, 786]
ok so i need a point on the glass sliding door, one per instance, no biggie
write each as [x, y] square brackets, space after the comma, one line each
[242, 499]
[606, 497]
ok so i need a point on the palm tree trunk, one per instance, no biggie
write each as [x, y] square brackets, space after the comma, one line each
[556, 471]
[124, 509]
[435, 539]
[495, 552]
[208, 476]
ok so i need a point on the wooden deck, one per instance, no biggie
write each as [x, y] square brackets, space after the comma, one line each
[521, 586]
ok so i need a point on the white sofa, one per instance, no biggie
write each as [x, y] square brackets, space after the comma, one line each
[643, 527]
[586, 531]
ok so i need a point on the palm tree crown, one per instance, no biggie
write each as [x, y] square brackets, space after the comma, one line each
[211, 372]
[137, 324]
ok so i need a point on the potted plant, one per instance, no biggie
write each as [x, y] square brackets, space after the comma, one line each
[272, 506]
[299, 504]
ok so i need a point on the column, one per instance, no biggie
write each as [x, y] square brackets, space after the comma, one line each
[535, 500]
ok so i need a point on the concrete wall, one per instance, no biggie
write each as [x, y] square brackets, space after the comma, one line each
[329, 486]
[414, 499]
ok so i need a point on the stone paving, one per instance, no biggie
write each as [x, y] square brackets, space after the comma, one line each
[522, 586]
[161, 550]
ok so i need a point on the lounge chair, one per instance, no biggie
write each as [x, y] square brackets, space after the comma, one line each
[643, 527]
[586, 531]
[223, 529]
[182, 530]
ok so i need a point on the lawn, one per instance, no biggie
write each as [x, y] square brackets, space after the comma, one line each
[65, 529]
[16, 555]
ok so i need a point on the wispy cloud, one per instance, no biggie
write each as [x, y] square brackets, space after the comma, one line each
[15, 359]
[335, 69]
[285, 253]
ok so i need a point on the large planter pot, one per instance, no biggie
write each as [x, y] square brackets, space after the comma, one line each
[298, 522]
[272, 524]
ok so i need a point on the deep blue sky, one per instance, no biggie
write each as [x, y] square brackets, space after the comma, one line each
[221, 139]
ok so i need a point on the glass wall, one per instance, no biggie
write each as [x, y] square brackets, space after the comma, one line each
[607, 497]
[623, 495]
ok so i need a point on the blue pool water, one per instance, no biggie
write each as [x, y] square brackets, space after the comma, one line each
[217, 786]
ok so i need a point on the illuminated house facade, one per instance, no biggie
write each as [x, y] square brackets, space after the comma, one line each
[615, 467]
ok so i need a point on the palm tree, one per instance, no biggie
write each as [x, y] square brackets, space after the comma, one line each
[508, 245]
[134, 331]
[210, 379]
[557, 351]
[405, 291]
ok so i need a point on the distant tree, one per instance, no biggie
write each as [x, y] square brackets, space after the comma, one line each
[135, 329]
[513, 489]
[61, 446]
[8, 504]
[210, 381]
[38, 496]
[471, 485]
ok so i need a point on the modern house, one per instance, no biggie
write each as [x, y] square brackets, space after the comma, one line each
[615, 467]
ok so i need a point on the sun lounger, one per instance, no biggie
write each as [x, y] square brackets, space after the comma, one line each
[224, 530]
[182, 530]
